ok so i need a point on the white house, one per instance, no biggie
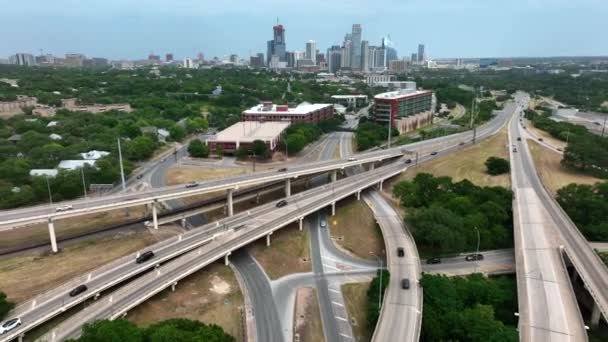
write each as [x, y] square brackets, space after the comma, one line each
[94, 155]
[74, 164]
[55, 136]
[44, 172]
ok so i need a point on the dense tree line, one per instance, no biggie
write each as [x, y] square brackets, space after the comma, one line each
[484, 112]
[172, 330]
[370, 134]
[373, 293]
[472, 308]
[300, 134]
[443, 215]
[5, 305]
[587, 206]
[585, 152]
[452, 95]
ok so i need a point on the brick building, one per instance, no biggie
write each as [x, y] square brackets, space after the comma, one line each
[267, 111]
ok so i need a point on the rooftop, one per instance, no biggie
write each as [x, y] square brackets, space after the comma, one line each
[401, 93]
[272, 108]
[74, 164]
[349, 96]
[248, 131]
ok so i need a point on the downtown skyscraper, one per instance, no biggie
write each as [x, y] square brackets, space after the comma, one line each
[355, 53]
[277, 46]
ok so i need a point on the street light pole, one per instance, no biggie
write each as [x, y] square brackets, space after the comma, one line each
[84, 184]
[122, 170]
[48, 186]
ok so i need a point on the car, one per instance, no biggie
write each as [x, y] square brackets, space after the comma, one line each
[352, 159]
[9, 325]
[163, 160]
[434, 153]
[597, 123]
[540, 139]
[65, 207]
[461, 143]
[559, 149]
[408, 161]
[283, 169]
[78, 290]
[323, 224]
[140, 176]
[524, 127]
[514, 149]
[281, 203]
[145, 256]
[433, 261]
[405, 283]
[400, 252]
[518, 138]
[474, 257]
[192, 185]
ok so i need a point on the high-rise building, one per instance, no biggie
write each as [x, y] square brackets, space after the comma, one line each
[74, 59]
[334, 58]
[169, 57]
[397, 66]
[421, 55]
[200, 57]
[25, 59]
[365, 56]
[347, 53]
[234, 59]
[188, 63]
[355, 58]
[311, 51]
[257, 61]
[153, 58]
[320, 57]
[414, 58]
[277, 46]
[390, 51]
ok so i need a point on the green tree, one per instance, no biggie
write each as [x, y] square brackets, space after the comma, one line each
[141, 147]
[119, 330]
[177, 133]
[196, 124]
[197, 149]
[260, 149]
[5, 305]
[497, 166]
[219, 150]
[241, 153]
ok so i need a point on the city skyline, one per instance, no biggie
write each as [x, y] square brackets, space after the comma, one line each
[128, 32]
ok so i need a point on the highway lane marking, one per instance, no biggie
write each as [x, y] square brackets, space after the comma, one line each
[344, 335]
[328, 266]
[341, 318]
[336, 303]
[332, 290]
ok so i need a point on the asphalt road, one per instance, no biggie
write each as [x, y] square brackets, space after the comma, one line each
[548, 310]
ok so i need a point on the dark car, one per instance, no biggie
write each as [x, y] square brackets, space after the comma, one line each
[405, 283]
[434, 153]
[145, 256]
[400, 252]
[140, 176]
[461, 143]
[433, 261]
[474, 257]
[540, 139]
[78, 290]
[283, 169]
[281, 203]
[408, 161]
[192, 185]
[518, 138]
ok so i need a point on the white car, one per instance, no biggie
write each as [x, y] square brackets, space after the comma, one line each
[64, 208]
[9, 325]
[352, 159]
[323, 224]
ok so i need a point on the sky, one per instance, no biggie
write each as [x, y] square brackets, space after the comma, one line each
[132, 29]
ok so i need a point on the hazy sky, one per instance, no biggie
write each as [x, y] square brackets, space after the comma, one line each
[449, 28]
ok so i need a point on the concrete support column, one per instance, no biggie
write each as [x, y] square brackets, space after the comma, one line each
[226, 260]
[173, 287]
[257, 198]
[380, 185]
[333, 209]
[287, 187]
[268, 239]
[20, 338]
[595, 315]
[301, 223]
[230, 206]
[183, 222]
[334, 175]
[372, 166]
[154, 215]
[52, 236]
[358, 195]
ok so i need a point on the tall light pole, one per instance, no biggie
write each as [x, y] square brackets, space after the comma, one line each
[48, 186]
[380, 285]
[604, 127]
[122, 170]
[286, 149]
[390, 126]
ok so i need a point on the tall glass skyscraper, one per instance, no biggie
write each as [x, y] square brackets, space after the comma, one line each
[355, 59]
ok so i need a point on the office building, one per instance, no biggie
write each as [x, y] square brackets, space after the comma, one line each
[334, 59]
[244, 133]
[234, 59]
[320, 57]
[373, 79]
[257, 61]
[277, 46]
[169, 57]
[421, 56]
[397, 66]
[365, 56]
[74, 59]
[188, 63]
[355, 57]
[153, 58]
[311, 51]
[353, 101]
[414, 58]
[407, 109]
[267, 111]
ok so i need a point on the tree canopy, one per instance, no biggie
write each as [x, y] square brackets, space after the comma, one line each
[587, 206]
[5, 305]
[197, 149]
[497, 166]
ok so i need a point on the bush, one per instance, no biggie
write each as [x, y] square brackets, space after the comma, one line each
[241, 153]
[497, 166]
[5, 305]
[197, 149]
[373, 310]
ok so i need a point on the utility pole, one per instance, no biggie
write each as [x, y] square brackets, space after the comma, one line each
[604, 127]
[390, 126]
[473, 112]
[48, 186]
[84, 184]
[122, 170]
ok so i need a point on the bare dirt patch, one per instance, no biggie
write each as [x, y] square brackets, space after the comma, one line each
[468, 163]
[211, 295]
[307, 317]
[355, 297]
[288, 252]
[354, 229]
[553, 175]
[26, 275]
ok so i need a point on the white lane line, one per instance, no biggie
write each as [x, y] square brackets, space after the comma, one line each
[338, 304]
[332, 290]
[341, 318]
[344, 335]
[329, 266]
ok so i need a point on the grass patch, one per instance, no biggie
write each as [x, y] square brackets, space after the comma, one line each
[307, 316]
[355, 298]
[468, 163]
[354, 229]
[288, 252]
[211, 295]
[551, 172]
